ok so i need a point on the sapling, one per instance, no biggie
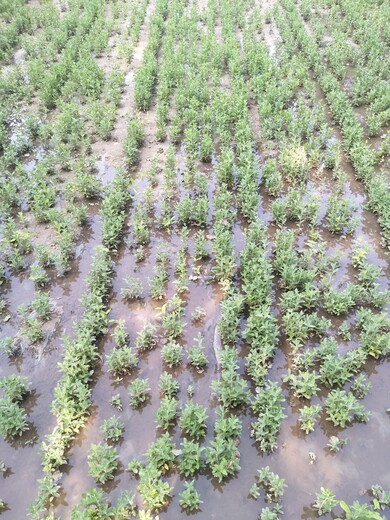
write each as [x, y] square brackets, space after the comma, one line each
[272, 483]
[121, 361]
[193, 420]
[112, 429]
[139, 392]
[15, 387]
[125, 507]
[196, 355]
[102, 462]
[189, 497]
[168, 385]
[116, 402]
[161, 453]
[325, 501]
[335, 443]
[146, 339]
[190, 461]
[308, 417]
[172, 353]
[166, 414]
[154, 491]
[133, 288]
[222, 457]
[13, 419]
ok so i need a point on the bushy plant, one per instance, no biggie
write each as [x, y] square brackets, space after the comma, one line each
[172, 353]
[13, 419]
[166, 414]
[193, 420]
[196, 355]
[121, 361]
[139, 392]
[190, 461]
[343, 407]
[102, 462]
[189, 497]
[112, 429]
[222, 457]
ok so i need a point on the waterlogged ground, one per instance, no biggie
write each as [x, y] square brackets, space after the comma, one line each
[304, 461]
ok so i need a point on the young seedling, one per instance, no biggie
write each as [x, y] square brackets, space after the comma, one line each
[189, 497]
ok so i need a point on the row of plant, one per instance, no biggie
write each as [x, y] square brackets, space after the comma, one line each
[362, 156]
[367, 84]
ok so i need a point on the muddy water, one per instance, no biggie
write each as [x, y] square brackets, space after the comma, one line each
[39, 365]
[364, 461]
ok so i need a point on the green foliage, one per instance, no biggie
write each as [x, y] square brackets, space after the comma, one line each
[325, 501]
[172, 353]
[166, 414]
[343, 408]
[190, 461]
[15, 387]
[102, 462]
[13, 419]
[121, 361]
[168, 385]
[196, 355]
[133, 140]
[161, 453]
[139, 391]
[189, 497]
[222, 457]
[154, 491]
[112, 429]
[193, 420]
[308, 417]
[133, 288]
[272, 483]
[267, 406]
[303, 384]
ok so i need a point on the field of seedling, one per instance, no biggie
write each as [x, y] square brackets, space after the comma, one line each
[194, 269]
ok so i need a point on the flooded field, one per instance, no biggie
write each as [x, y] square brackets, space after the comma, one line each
[194, 259]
